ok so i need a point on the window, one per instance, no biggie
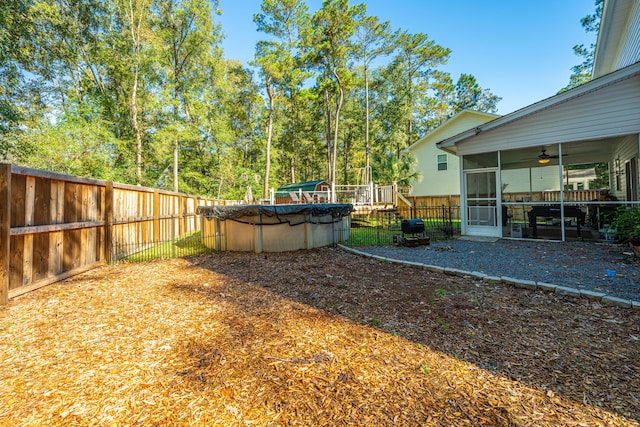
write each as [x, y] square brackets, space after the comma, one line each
[442, 162]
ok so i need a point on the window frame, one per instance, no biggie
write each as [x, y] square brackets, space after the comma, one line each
[440, 163]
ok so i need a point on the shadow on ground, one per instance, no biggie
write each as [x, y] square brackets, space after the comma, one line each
[575, 348]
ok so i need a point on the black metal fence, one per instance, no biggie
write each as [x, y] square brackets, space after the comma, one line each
[372, 228]
[378, 227]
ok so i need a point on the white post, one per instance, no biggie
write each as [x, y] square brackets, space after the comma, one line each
[562, 228]
[371, 193]
[394, 192]
[272, 197]
[333, 192]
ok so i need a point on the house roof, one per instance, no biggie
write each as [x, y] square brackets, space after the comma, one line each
[614, 25]
[446, 128]
[449, 144]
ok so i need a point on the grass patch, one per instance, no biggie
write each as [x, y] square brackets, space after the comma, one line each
[369, 232]
[185, 246]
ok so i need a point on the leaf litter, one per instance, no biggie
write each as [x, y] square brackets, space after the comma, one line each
[319, 337]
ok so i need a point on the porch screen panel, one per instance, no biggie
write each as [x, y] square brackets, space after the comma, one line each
[481, 199]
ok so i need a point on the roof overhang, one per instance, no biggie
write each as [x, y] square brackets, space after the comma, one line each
[613, 27]
[449, 144]
[442, 128]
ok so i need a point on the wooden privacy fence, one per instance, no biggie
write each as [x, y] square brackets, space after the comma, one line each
[53, 226]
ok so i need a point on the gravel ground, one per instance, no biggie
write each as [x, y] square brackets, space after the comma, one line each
[581, 265]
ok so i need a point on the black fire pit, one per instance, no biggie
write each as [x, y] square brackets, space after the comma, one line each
[415, 228]
[412, 226]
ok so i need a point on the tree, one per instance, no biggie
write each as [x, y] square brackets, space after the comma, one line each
[134, 14]
[396, 169]
[331, 47]
[373, 39]
[469, 95]
[582, 72]
[188, 36]
[279, 60]
[415, 63]
[14, 30]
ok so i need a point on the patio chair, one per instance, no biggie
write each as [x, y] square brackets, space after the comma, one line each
[294, 197]
[308, 197]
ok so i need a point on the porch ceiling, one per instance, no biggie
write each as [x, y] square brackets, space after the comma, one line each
[579, 152]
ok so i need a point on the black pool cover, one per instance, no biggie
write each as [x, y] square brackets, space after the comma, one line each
[336, 210]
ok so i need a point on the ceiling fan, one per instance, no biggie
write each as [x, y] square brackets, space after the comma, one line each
[545, 158]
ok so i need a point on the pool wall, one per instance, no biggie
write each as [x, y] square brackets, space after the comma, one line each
[274, 228]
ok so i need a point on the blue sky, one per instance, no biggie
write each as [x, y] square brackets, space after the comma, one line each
[519, 49]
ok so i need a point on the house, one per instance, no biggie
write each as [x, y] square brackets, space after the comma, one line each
[440, 171]
[593, 124]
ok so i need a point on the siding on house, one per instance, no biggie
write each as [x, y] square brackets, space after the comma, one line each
[627, 149]
[607, 111]
[434, 182]
[630, 50]
[619, 37]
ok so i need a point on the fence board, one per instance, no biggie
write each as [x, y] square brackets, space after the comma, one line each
[29, 200]
[18, 189]
[27, 259]
[54, 225]
[16, 264]
[55, 253]
[42, 201]
[41, 243]
[5, 230]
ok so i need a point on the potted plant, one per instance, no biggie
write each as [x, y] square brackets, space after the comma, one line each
[627, 225]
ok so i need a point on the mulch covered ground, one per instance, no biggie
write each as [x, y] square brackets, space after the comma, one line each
[310, 338]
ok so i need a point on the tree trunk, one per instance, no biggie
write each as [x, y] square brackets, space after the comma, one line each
[366, 124]
[134, 92]
[265, 189]
[176, 146]
[328, 114]
[335, 130]
[293, 140]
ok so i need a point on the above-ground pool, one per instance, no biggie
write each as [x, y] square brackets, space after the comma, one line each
[274, 228]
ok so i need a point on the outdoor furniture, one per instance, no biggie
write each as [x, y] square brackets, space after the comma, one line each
[554, 212]
[294, 197]
[308, 197]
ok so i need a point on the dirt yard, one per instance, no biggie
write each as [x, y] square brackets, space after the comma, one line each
[311, 338]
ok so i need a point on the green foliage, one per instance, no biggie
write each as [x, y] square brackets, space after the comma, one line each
[74, 145]
[581, 73]
[440, 293]
[138, 92]
[187, 245]
[443, 323]
[469, 95]
[393, 168]
[626, 223]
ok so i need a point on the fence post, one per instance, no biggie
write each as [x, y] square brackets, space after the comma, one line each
[5, 229]
[108, 225]
[180, 215]
[156, 217]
